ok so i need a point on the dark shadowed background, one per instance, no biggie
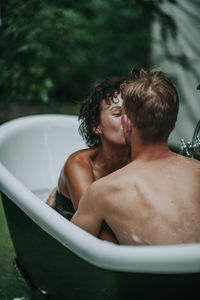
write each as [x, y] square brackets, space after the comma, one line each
[53, 51]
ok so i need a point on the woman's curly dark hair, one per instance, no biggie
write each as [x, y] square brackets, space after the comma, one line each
[91, 107]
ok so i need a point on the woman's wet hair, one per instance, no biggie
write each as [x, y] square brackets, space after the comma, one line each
[90, 109]
[151, 102]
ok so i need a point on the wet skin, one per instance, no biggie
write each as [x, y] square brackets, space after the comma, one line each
[153, 200]
[84, 167]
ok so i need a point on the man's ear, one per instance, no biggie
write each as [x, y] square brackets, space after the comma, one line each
[127, 124]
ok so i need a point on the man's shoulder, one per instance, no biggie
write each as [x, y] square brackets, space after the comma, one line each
[101, 184]
[189, 162]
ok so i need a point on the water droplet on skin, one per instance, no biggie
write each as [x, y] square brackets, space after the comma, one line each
[135, 237]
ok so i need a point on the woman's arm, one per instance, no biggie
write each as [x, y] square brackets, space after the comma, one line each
[75, 177]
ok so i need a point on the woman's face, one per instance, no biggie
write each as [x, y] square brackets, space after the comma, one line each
[110, 127]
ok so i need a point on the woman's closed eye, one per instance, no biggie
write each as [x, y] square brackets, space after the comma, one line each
[116, 111]
[117, 114]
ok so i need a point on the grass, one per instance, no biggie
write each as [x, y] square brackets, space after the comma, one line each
[12, 285]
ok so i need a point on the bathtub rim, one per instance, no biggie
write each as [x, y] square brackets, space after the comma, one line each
[176, 259]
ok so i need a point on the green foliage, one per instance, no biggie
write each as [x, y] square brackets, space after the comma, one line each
[54, 50]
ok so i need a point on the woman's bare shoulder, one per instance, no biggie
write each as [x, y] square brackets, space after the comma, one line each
[81, 158]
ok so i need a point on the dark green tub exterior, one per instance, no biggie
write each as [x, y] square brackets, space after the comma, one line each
[52, 267]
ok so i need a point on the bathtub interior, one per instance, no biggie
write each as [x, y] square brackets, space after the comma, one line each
[34, 149]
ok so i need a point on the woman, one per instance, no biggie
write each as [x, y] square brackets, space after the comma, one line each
[101, 127]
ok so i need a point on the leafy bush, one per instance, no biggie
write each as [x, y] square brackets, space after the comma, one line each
[54, 50]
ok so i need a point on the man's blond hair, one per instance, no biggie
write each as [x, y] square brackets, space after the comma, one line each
[151, 102]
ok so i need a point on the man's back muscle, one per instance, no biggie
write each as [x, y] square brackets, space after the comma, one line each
[155, 202]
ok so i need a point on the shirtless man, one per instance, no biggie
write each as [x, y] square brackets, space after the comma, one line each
[155, 199]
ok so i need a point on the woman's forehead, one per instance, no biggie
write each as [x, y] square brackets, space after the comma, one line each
[115, 101]
[110, 107]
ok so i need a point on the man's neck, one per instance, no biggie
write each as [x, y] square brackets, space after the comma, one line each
[149, 151]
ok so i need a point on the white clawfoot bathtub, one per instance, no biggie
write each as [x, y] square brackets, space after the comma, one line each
[56, 255]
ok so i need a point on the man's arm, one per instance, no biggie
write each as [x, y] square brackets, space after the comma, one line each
[51, 201]
[89, 215]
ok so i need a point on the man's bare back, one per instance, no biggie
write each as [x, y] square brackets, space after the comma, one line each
[150, 202]
[154, 202]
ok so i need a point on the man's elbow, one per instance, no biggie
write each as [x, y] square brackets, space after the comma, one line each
[85, 224]
[74, 219]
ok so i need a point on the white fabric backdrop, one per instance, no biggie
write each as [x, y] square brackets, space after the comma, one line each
[186, 15]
